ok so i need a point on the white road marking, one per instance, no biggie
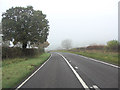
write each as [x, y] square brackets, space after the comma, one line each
[33, 74]
[91, 87]
[76, 67]
[76, 74]
[100, 61]
[95, 87]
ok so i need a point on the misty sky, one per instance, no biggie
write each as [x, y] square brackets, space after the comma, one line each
[85, 22]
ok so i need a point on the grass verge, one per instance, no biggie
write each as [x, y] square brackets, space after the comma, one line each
[109, 57]
[15, 70]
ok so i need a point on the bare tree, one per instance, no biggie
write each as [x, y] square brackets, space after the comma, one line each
[67, 44]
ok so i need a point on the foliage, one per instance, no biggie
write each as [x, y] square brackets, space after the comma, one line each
[8, 52]
[41, 45]
[45, 44]
[95, 47]
[112, 45]
[25, 24]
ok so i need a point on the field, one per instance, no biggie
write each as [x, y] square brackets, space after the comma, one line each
[15, 70]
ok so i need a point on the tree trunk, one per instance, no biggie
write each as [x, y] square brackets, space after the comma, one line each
[24, 46]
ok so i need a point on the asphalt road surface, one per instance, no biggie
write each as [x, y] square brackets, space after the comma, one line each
[66, 70]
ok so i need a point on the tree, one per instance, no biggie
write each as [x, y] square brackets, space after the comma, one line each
[112, 45]
[67, 44]
[25, 25]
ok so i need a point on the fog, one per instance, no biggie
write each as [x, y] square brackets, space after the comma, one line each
[84, 22]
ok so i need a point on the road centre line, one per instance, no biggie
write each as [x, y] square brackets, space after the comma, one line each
[33, 74]
[96, 87]
[76, 74]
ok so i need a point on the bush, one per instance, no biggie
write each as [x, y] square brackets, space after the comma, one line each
[8, 52]
[112, 45]
[96, 47]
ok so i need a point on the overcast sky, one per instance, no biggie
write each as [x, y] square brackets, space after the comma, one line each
[85, 22]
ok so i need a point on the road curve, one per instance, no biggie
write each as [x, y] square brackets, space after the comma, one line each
[94, 73]
[56, 73]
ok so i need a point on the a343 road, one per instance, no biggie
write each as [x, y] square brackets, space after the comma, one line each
[66, 70]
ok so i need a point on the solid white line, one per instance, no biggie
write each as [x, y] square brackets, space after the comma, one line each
[33, 74]
[95, 87]
[76, 74]
[100, 61]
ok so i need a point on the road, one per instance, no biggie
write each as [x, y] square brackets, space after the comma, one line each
[66, 70]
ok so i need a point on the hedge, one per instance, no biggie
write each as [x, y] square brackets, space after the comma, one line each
[14, 52]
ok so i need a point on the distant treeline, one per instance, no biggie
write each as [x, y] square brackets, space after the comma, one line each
[112, 45]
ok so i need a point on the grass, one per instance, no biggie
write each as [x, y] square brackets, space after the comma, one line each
[109, 57]
[15, 70]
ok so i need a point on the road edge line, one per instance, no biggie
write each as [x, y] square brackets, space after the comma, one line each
[33, 73]
[99, 61]
[76, 74]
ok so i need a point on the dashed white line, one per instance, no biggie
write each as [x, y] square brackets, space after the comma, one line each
[76, 74]
[95, 87]
[76, 67]
[33, 74]
[91, 87]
